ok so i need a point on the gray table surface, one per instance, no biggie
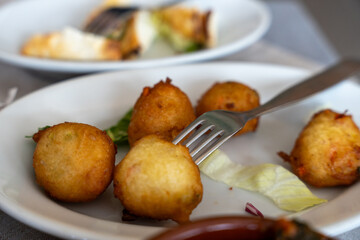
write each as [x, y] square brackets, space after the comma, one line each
[281, 45]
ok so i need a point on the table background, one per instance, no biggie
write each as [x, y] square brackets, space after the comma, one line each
[294, 39]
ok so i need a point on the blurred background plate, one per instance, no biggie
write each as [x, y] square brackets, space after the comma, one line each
[240, 23]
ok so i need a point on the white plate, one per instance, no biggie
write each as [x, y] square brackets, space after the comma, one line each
[241, 23]
[102, 99]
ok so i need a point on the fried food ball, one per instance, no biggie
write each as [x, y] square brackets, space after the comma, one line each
[158, 180]
[327, 151]
[232, 96]
[163, 110]
[73, 162]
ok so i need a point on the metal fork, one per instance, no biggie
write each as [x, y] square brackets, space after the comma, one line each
[113, 17]
[109, 19]
[213, 128]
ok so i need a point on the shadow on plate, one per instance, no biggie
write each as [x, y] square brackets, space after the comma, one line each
[51, 77]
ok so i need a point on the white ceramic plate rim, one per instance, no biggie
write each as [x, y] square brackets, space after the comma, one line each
[347, 215]
[83, 67]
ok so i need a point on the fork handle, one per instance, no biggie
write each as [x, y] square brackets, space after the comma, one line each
[321, 81]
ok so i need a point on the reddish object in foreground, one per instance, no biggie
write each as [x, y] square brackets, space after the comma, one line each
[241, 228]
[253, 210]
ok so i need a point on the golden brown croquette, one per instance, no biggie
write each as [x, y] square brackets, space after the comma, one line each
[163, 110]
[73, 162]
[158, 180]
[327, 151]
[232, 96]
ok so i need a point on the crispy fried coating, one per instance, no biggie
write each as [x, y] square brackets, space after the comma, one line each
[158, 180]
[327, 151]
[232, 96]
[73, 162]
[163, 110]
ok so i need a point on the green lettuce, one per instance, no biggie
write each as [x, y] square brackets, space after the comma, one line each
[118, 133]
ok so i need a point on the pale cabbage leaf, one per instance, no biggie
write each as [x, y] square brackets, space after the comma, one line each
[274, 181]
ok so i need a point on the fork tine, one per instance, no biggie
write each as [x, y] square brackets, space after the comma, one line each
[205, 152]
[198, 133]
[211, 136]
[201, 142]
[187, 130]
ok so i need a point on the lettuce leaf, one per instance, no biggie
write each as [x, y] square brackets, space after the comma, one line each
[118, 133]
[286, 190]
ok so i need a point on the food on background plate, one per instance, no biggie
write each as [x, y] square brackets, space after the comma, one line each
[136, 36]
[105, 4]
[135, 32]
[72, 44]
[158, 180]
[271, 180]
[163, 110]
[187, 29]
[327, 151]
[232, 96]
[73, 162]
